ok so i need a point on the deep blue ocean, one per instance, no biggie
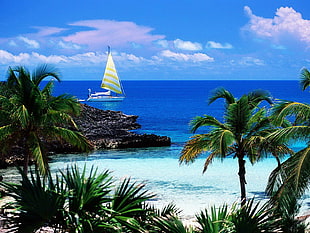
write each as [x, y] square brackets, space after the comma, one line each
[165, 108]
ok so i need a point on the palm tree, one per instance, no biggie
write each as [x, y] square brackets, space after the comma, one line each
[294, 172]
[239, 135]
[304, 79]
[30, 117]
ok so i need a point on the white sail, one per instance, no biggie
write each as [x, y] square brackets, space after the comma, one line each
[110, 79]
[110, 82]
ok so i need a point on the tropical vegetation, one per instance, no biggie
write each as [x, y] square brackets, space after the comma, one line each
[245, 126]
[89, 201]
[288, 182]
[31, 116]
[86, 200]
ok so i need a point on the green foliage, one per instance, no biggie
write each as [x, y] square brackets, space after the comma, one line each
[31, 116]
[241, 134]
[171, 225]
[287, 208]
[251, 218]
[37, 201]
[76, 202]
[215, 221]
[304, 79]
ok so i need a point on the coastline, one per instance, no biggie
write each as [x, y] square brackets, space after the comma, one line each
[105, 129]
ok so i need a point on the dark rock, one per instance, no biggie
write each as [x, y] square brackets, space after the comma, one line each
[111, 129]
[105, 129]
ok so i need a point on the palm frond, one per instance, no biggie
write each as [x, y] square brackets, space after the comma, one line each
[293, 174]
[206, 120]
[222, 93]
[253, 218]
[257, 96]
[38, 153]
[238, 115]
[44, 71]
[73, 137]
[66, 103]
[36, 201]
[89, 190]
[171, 225]
[128, 198]
[283, 109]
[221, 140]
[194, 147]
[304, 79]
[214, 221]
[283, 135]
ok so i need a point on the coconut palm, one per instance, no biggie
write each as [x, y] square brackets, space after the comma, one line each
[304, 79]
[30, 117]
[294, 172]
[244, 124]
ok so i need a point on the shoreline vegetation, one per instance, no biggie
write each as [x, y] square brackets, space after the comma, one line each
[105, 129]
[34, 123]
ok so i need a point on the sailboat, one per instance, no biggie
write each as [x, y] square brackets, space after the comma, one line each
[110, 82]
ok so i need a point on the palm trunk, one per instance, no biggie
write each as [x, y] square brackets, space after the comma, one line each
[26, 163]
[242, 180]
[26, 155]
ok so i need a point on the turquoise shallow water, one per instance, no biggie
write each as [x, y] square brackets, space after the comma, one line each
[184, 185]
[165, 108]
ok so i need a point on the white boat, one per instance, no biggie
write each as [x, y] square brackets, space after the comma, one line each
[110, 82]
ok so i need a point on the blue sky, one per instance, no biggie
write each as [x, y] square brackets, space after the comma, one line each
[162, 39]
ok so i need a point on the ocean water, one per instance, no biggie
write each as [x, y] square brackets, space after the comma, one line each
[165, 108]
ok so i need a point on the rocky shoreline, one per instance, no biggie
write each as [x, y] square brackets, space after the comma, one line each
[105, 129]
[111, 130]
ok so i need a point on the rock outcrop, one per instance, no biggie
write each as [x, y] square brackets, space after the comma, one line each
[105, 129]
[111, 130]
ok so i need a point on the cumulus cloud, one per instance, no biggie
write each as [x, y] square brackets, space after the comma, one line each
[216, 45]
[82, 59]
[29, 58]
[8, 58]
[29, 43]
[187, 45]
[197, 57]
[162, 43]
[286, 24]
[101, 33]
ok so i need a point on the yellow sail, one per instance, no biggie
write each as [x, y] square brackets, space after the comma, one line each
[110, 79]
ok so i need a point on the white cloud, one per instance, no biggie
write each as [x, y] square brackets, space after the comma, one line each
[197, 57]
[216, 45]
[47, 31]
[68, 45]
[101, 33]
[8, 58]
[248, 61]
[129, 57]
[287, 24]
[29, 43]
[83, 59]
[162, 43]
[187, 45]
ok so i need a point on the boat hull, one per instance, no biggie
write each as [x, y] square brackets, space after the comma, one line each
[106, 99]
